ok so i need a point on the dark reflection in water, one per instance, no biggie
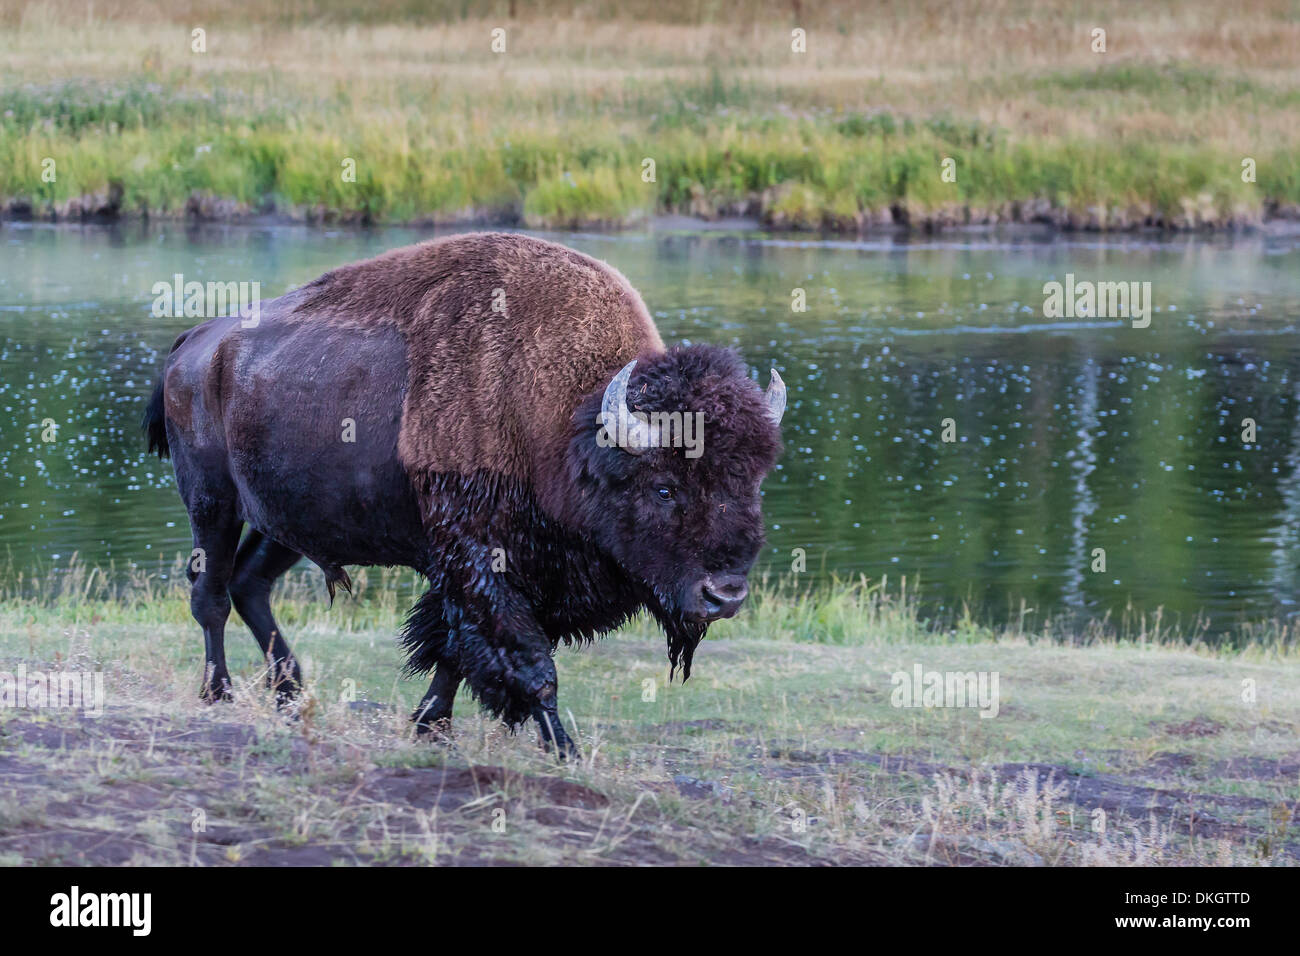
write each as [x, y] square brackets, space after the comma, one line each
[1071, 435]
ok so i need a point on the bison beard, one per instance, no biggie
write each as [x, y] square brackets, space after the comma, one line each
[479, 460]
[571, 589]
[682, 639]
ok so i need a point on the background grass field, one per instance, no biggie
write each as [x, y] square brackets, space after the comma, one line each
[784, 747]
[554, 131]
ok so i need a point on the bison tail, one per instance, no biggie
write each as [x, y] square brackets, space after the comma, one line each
[155, 424]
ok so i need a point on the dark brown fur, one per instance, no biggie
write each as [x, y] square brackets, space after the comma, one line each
[470, 371]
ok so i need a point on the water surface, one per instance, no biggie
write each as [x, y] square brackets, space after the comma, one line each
[1071, 434]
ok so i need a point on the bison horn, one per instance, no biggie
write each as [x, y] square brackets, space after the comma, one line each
[632, 434]
[775, 396]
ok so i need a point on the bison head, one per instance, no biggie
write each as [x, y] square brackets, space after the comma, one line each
[667, 462]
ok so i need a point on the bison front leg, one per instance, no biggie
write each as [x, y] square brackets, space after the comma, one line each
[551, 731]
[490, 638]
[514, 675]
[537, 688]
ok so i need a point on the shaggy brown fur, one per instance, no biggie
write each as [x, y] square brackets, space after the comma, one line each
[437, 407]
[505, 335]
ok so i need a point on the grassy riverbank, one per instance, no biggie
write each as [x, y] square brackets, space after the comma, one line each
[555, 131]
[785, 747]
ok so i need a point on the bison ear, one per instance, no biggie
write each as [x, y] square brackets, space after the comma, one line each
[775, 396]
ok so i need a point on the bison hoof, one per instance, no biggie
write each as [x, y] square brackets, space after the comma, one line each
[287, 691]
[564, 749]
[551, 735]
[286, 698]
[437, 730]
[216, 689]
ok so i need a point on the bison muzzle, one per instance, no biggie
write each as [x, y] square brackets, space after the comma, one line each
[498, 413]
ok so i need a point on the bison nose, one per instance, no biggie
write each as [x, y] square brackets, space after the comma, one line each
[723, 594]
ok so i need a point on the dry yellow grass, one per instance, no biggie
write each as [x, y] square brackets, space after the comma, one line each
[1159, 121]
[976, 60]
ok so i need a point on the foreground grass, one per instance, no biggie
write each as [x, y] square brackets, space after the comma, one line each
[784, 747]
[555, 131]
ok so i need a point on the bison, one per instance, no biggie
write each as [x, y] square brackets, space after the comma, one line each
[500, 414]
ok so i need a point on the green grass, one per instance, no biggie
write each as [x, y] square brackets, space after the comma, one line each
[842, 612]
[787, 717]
[816, 172]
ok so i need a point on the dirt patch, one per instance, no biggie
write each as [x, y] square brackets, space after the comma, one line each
[148, 789]
[1183, 768]
[207, 789]
[1196, 727]
[452, 789]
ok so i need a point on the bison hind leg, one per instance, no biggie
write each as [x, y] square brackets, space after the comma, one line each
[426, 637]
[258, 564]
[433, 715]
[216, 526]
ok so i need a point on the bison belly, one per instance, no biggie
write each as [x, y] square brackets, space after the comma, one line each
[311, 428]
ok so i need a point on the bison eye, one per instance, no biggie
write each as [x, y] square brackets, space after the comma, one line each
[665, 494]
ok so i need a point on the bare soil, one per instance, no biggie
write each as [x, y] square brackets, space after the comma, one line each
[149, 788]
